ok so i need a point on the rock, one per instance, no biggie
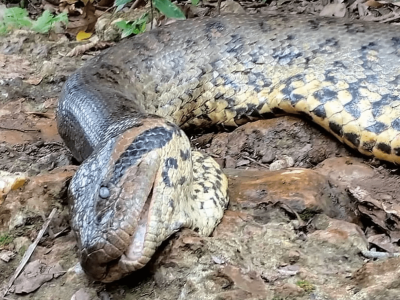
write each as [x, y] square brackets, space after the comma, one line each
[289, 290]
[305, 191]
[378, 280]
[266, 140]
[347, 236]
[345, 169]
[85, 294]
[6, 255]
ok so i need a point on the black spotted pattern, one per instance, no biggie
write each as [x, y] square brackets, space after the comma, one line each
[147, 141]
[170, 163]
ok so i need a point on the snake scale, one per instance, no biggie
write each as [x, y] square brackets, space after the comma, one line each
[123, 113]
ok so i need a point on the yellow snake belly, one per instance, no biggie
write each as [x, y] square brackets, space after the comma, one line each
[123, 114]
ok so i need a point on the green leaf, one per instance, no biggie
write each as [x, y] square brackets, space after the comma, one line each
[169, 9]
[195, 2]
[16, 17]
[43, 23]
[135, 27]
[63, 17]
[16, 13]
[120, 3]
[46, 21]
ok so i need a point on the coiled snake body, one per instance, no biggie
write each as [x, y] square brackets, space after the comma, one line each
[121, 115]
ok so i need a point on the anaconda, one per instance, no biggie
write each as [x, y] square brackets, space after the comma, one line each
[123, 113]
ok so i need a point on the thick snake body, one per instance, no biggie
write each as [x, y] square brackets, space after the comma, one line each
[121, 115]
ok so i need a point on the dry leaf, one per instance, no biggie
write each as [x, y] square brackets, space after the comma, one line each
[374, 4]
[83, 36]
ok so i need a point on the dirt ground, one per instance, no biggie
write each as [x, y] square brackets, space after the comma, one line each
[299, 233]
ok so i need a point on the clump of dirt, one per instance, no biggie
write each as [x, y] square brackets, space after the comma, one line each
[33, 158]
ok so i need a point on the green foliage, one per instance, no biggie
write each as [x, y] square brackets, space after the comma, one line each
[195, 2]
[305, 285]
[5, 239]
[15, 18]
[135, 27]
[46, 21]
[169, 9]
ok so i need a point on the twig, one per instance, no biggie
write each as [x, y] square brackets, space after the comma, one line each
[40, 114]
[376, 254]
[21, 130]
[29, 252]
[254, 161]
[151, 14]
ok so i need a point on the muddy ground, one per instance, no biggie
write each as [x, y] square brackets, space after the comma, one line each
[304, 230]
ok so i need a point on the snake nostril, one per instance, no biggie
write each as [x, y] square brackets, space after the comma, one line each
[104, 192]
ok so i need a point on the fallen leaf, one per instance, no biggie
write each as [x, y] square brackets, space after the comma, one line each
[82, 35]
[34, 275]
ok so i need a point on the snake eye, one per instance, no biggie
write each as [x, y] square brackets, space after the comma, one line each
[104, 192]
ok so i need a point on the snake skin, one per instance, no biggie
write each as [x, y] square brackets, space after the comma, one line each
[121, 114]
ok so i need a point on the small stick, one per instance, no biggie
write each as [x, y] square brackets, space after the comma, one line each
[29, 252]
[254, 161]
[151, 14]
[21, 130]
[135, 4]
[376, 254]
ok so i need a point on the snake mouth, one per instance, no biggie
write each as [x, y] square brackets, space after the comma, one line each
[127, 241]
[135, 252]
[134, 257]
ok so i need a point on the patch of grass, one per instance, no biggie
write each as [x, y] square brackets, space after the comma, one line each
[22, 250]
[307, 215]
[305, 285]
[5, 239]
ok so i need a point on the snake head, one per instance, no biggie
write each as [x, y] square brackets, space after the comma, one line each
[126, 199]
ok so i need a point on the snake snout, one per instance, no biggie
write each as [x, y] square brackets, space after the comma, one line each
[122, 220]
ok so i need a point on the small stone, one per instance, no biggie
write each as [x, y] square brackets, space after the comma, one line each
[289, 290]
[6, 256]
[230, 162]
[293, 256]
[285, 162]
[268, 158]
